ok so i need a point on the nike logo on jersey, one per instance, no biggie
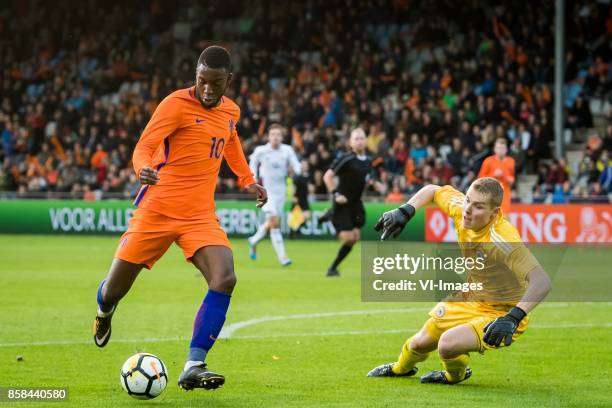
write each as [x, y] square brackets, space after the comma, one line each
[199, 120]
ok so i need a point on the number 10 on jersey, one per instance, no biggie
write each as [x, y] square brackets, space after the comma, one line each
[216, 148]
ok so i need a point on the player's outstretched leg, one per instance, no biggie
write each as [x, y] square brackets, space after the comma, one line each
[112, 289]
[454, 348]
[415, 350]
[217, 265]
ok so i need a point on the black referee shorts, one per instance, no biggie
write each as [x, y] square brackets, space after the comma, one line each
[349, 216]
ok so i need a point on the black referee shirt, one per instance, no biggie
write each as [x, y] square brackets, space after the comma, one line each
[353, 172]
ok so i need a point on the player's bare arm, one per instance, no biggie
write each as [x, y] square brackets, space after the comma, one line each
[392, 222]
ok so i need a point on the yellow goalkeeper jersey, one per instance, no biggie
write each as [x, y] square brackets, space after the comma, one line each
[507, 261]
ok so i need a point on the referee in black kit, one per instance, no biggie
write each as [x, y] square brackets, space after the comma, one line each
[354, 171]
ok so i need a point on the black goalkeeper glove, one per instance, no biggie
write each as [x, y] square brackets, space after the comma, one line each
[393, 222]
[502, 328]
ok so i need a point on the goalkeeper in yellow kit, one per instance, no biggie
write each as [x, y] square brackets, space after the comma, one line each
[513, 280]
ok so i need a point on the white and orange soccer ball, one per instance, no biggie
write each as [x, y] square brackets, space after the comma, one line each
[144, 376]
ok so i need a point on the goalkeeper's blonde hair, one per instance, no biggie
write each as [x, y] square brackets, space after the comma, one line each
[492, 188]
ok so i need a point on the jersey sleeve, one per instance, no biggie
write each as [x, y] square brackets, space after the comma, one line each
[339, 162]
[520, 260]
[234, 155]
[450, 201]
[165, 120]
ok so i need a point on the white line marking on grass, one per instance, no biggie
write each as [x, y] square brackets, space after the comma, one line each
[227, 331]
[230, 330]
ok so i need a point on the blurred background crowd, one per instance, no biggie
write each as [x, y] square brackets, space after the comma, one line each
[433, 84]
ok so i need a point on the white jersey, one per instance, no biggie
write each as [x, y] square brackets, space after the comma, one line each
[272, 167]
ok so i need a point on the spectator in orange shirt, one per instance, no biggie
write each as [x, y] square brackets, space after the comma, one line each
[98, 157]
[501, 167]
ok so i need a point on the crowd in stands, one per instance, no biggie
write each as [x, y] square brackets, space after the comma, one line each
[433, 84]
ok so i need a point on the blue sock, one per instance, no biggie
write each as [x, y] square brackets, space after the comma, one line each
[208, 323]
[104, 307]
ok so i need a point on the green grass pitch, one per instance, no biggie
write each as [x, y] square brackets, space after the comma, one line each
[293, 358]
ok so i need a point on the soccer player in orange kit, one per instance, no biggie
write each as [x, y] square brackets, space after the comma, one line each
[177, 160]
[500, 167]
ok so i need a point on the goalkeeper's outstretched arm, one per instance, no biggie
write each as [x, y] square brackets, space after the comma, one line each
[393, 222]
[424, 196]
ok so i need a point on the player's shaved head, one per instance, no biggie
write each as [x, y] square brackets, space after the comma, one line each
[358, 132]
[216, 57]
[357, 141]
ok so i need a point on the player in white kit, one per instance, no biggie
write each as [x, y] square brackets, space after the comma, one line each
[271, 163]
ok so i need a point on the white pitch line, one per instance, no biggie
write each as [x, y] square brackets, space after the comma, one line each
[229, 330]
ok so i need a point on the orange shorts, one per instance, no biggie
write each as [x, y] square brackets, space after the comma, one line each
[150, 234]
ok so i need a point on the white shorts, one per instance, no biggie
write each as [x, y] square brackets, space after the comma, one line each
[275, 207]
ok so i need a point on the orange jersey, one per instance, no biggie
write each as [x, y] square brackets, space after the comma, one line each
[185, 143]
[502, 171]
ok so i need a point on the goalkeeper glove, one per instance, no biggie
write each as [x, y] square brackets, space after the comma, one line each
[393, 222]
[502, 328]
